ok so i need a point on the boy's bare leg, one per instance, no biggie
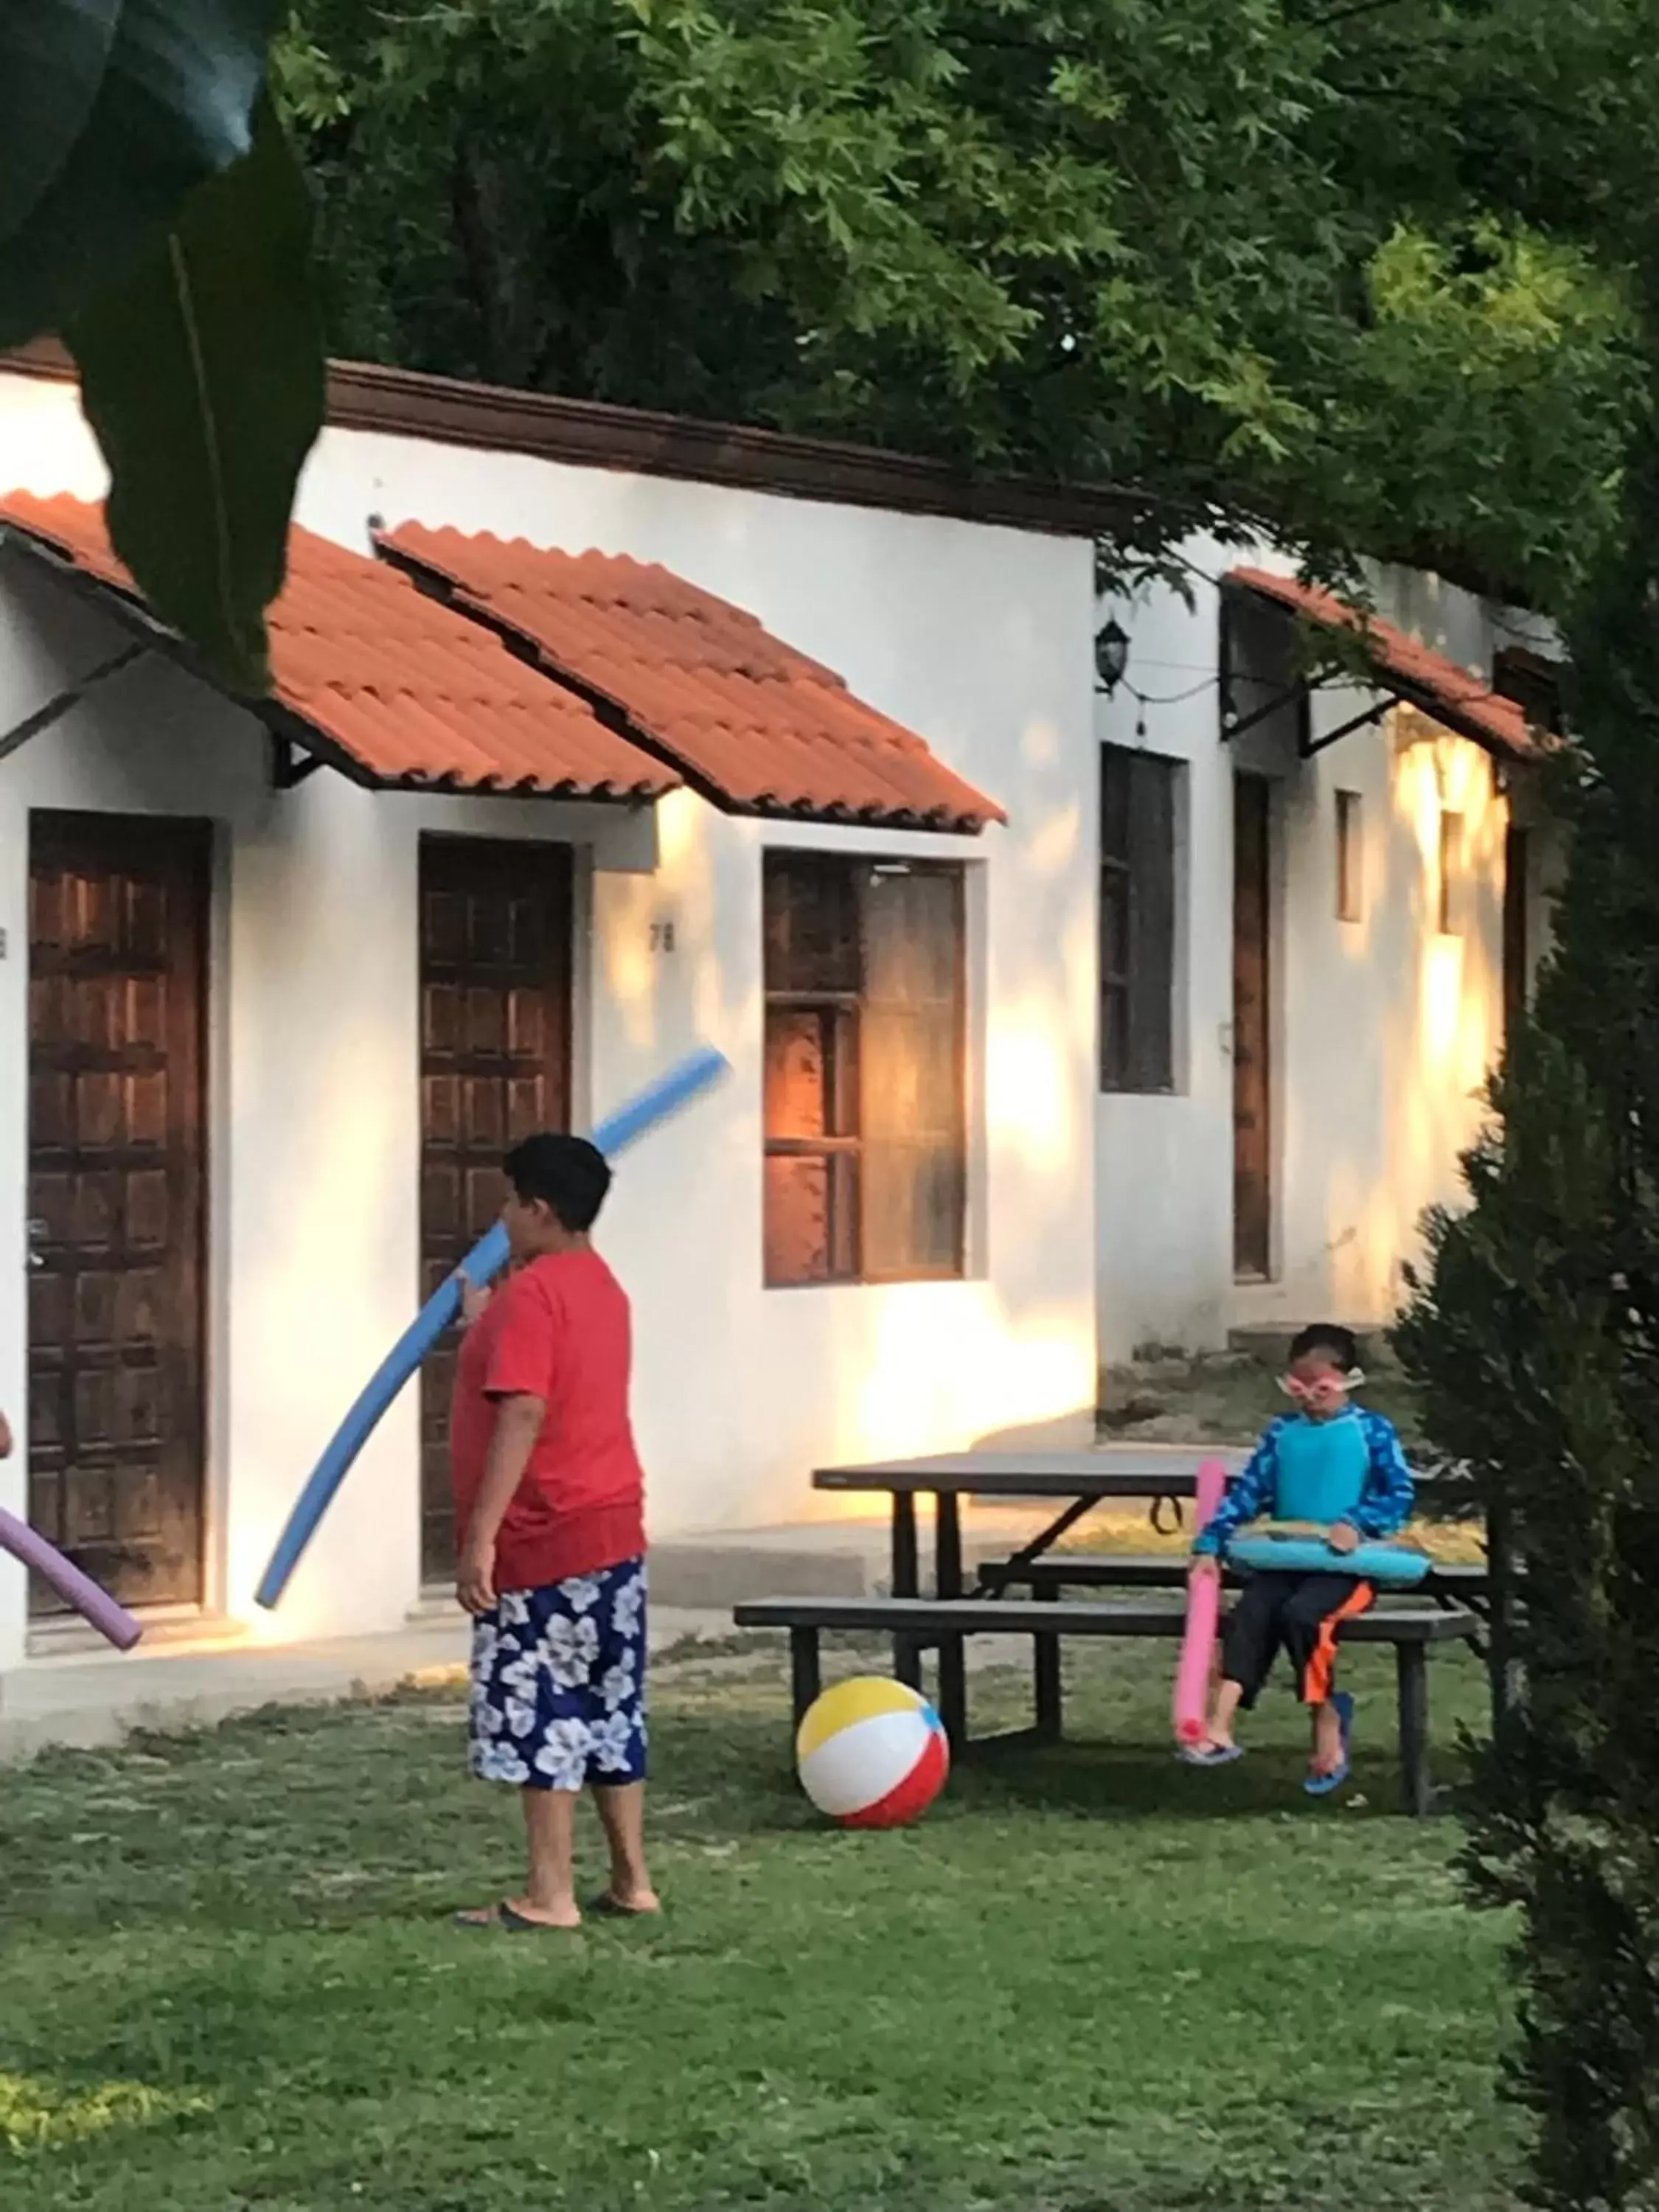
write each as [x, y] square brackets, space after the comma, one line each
[1327, 1739]
[550, 1897]
[549, 1819]
[1219, 1733]
[621, 1813]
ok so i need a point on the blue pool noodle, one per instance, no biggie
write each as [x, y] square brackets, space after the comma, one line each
[483, 1264]
[1390, 1566]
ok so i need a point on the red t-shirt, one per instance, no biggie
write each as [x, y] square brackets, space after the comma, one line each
[559, 1331]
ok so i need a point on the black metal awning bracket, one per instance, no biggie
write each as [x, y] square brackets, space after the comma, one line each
[1373, 713]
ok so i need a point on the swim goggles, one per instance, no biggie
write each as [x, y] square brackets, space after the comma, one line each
[1327, 1386]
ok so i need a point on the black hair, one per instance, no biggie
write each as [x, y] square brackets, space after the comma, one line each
[1328, 1336]
[568, 1174]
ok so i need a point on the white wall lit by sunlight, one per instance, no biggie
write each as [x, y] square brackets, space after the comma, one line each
[939, 1372]
[1385, 1023]
[976, 638]
[1031, 1089]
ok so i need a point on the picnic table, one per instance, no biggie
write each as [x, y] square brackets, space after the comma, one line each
[1073, 1483]
[1166, 1476]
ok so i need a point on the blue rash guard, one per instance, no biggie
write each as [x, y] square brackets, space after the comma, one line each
[1349, 1469]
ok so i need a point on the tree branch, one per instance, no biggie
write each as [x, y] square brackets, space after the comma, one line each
[1491, 95]
[481, 262]
[1347, 14]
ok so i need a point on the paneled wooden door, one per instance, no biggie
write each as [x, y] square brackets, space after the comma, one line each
[1517, 958]
[496, 925]
[118, 966]
[1253, 1196]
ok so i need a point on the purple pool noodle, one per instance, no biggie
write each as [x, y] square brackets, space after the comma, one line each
[97, 1605]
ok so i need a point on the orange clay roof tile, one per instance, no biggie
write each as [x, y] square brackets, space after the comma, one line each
[387, 683]
[758, 726]
[1429, 679]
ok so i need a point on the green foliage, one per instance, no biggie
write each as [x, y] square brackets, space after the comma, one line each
[1354, 272]
[1317, 266]
[55, 63]
[111, 125]
[202, 374]
[140, 218]
[1535, 1341]
[1330, 269]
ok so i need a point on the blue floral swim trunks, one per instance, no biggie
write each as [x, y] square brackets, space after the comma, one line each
[558, 1683]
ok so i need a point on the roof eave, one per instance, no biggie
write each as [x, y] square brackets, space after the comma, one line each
[1434, 704]
[1442, 710]
[614, 710]
[288, 723]
[935, 822]
[591, 433]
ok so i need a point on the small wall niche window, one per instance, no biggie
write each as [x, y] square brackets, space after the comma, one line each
[1138, 803]
[865, 1113]
[1446, 888]
[1532, 681]
[1350, 857]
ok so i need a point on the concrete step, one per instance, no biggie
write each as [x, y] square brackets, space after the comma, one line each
[847, 1558]
[720, 1570]
[1269, 1345]
[95, 1699]
[75, 1691]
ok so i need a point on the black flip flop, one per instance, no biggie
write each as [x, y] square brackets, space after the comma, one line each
[606, 1907]
[508, 1921]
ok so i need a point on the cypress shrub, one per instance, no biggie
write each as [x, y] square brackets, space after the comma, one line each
[1532, 1332]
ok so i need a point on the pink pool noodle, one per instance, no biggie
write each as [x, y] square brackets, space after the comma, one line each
[1192, 1686]
[79, 1590]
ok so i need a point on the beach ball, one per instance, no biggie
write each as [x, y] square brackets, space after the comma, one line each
[871, 1753]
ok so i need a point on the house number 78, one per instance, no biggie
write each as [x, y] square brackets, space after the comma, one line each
[662, 937]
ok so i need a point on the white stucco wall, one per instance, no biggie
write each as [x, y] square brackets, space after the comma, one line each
[1384, 1030]
[977, 638]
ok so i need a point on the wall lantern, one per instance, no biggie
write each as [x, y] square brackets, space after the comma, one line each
[1111, 655]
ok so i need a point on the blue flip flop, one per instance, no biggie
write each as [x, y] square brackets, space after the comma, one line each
[1323, 1785]
[1219, 1754]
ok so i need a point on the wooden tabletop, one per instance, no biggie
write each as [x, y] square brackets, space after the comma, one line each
[1121, 1471]
[1115, 1471]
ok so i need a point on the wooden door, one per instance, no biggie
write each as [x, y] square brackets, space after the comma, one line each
[1517, 948]
[118, 931]
[1252, 1028]
[495, 955]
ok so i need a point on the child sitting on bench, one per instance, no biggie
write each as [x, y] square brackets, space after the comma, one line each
[1329, 1461]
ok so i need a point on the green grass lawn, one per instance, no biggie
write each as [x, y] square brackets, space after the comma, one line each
[1093, 1981]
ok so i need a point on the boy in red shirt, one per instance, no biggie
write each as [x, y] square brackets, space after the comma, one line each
[549, 1515]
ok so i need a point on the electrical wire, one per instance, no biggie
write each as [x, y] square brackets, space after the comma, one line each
[1168, 698]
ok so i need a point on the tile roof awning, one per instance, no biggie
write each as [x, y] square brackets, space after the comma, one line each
[1410, 672]
[755, 726]
[386, 685]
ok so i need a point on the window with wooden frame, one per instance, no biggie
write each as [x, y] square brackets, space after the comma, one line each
[866, 1174]
[1350, 858]
[1451, 848]
[1138, 798]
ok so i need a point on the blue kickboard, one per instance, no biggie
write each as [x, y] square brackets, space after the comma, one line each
[483, 1264]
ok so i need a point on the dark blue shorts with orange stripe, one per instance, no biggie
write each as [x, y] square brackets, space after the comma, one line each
[1301, 1615]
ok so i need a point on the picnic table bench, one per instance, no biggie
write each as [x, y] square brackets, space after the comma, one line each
[946, 1622]
[1073, 1482]
[1447, 1582]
